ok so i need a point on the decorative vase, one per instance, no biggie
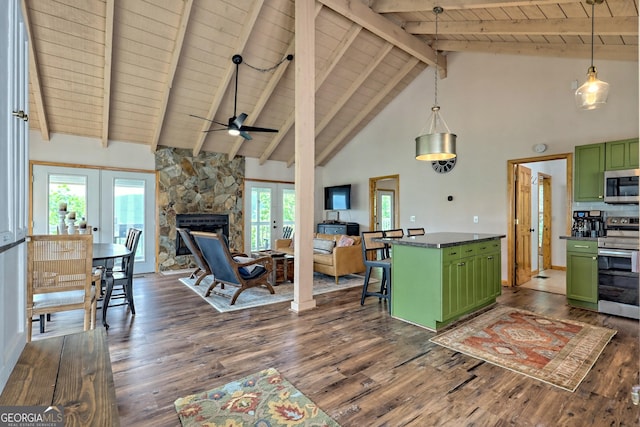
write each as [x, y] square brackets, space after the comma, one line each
[72, 226]
[62, 226]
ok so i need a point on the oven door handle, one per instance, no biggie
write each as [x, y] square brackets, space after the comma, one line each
[618, 253]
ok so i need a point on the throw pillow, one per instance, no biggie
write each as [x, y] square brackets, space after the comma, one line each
[345, 241]
[323, 246]
[247, 269]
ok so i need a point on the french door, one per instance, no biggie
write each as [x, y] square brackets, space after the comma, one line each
[385, 210]
[110, 202]
[269, 208]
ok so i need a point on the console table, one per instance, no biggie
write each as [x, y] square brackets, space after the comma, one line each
[348, 228]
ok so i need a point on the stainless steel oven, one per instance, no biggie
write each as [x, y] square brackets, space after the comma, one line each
[618, 268]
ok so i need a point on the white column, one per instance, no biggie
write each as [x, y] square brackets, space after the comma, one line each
[304, 153]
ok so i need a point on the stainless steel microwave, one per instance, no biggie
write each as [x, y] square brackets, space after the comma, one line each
[621, 186]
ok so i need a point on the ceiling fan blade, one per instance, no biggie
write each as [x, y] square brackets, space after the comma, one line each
[238, 121]
[204, 118]
[212, 130]
[245, 135]
[257, 129]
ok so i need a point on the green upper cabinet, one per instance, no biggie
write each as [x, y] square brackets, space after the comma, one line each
[621, 154]
[589, 173]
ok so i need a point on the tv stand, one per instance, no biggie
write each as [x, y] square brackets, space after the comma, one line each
[348, 228]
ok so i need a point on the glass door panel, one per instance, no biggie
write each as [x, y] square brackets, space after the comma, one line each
[271, 207]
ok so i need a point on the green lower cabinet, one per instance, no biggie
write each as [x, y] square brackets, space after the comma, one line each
[434, 287]
[582, 274]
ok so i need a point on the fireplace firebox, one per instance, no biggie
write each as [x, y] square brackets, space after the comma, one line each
[212, 223]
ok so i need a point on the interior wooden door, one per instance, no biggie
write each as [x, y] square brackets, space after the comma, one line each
[523, 224]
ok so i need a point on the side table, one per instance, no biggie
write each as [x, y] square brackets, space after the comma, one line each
[282, 265]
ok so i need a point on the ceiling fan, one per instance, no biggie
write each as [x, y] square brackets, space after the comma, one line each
[235, 125]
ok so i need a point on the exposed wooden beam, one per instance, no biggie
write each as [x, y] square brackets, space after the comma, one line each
[336, 55]
[337, 106]
[365, 111]
[252, 16]
[614, 52]
[34, 76]
[305, 100]
[106, 85]
[175, 57]
[358, 12]
[572, 26]
[391, 6]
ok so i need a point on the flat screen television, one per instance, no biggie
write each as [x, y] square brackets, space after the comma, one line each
[337, 197]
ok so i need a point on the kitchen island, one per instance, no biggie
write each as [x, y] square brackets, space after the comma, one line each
[439, 277]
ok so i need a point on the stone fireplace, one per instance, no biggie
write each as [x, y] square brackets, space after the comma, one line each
[204, 186]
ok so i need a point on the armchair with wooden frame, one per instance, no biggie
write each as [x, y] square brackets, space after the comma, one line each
[60, 277]
[244, 274]
[202, 268]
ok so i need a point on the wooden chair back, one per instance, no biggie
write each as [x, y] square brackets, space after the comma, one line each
[415, 231]
[59, 276]
[372, 250]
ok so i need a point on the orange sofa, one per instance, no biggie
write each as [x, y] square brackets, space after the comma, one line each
[340, 260]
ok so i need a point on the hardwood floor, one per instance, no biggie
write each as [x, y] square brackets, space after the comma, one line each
[361, 366]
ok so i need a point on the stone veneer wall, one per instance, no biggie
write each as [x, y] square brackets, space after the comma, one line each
[207, 183]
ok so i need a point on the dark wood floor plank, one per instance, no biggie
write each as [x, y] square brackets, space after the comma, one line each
[361, 366]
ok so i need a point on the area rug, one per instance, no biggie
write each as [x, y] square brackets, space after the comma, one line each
[262, 399]
[255, 297]
[558, 352]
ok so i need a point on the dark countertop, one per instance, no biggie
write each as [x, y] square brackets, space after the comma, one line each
[591, 239]
[442, 240]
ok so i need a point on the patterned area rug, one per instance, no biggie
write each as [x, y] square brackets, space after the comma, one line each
[558, 352]
[262, 399]
[256, 297]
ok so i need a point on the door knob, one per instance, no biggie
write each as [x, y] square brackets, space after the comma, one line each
[95, 228]
[532, 230]
[21, 115]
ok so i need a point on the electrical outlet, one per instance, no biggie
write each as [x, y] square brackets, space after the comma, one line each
[412, 218]
[475, 219]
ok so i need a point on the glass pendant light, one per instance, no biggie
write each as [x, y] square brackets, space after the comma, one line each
[593, 93]
[438, 143]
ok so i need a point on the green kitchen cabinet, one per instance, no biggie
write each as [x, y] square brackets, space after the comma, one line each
[489, 266]
[589, 173]
[621, 154]
[433, 287]
[582, 273]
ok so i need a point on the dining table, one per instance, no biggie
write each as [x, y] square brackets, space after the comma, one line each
[105, 255]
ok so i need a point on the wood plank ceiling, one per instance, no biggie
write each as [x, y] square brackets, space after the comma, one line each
[138, 70]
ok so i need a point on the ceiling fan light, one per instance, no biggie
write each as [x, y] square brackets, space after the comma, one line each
[234, 132]
[436, 146]
[593, 93]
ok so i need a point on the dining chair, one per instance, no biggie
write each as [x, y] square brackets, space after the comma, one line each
[123, 279]
[59, 277]
[415, 231]
[202, 268]
[374, 255]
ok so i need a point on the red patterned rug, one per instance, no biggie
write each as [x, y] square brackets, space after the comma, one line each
[558, 352]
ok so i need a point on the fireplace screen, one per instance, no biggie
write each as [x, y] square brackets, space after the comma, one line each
[212, 223]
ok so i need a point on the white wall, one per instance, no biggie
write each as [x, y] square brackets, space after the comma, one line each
[499, 106]
[89, 151]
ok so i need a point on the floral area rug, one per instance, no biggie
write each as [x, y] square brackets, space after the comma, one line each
[558, 352]
[255, 297]
[264, 399]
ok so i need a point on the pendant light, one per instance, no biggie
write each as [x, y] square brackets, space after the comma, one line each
[593, 93]
[438, 143]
